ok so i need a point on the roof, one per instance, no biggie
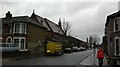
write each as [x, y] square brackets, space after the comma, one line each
[55, 28]
[23, 19]
[51, 26]
[75, 38]
[16, 19]
[117, 14]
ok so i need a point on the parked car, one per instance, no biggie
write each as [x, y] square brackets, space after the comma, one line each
[6, 47]
[79, 48]
[68, 50]
[82, 48]
[75, 48]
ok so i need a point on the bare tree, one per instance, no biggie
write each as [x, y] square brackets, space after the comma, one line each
[66, 26]
[95, 39]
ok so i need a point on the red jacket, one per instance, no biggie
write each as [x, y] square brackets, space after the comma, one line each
[100, 54]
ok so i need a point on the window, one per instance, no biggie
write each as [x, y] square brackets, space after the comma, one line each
[117, 25]
[10, 27]
[117, 45]
[23, 28]
[20, 42]
[16, 42]
[20, 28]
[17, 28]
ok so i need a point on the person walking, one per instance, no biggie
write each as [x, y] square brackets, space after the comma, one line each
[100, 56]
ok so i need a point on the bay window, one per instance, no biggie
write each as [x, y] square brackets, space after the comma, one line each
[20, 42]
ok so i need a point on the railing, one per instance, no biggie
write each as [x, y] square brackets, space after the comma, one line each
[8, 47]
[112, 61]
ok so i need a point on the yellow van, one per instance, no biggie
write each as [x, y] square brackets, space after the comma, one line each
[54, 48]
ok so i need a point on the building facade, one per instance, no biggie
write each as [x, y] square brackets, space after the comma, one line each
[54, 31]
[32, 33]
[111, 40]
[22, 32]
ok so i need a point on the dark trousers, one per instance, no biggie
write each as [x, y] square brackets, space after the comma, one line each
[100, 62]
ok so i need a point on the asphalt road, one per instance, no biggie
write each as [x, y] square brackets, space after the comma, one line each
[74, 58]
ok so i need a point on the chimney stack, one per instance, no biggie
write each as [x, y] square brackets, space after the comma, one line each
[59, 23]
[8, 15]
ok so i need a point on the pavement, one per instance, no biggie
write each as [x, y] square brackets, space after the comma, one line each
[92, 61]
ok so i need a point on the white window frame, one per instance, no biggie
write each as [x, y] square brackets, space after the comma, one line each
[15, 27]
[118, 24]
[115, 45]
[20, 38]
[20, 28]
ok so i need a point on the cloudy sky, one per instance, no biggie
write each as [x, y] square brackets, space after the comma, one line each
[87, 17]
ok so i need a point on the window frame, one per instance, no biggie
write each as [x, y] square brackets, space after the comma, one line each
[116, 46]
[10, 28]
[20, 38]
[20, 28]
[116, 21]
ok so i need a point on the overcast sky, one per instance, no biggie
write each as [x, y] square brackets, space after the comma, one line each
[86, 17]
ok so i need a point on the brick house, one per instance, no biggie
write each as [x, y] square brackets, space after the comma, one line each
[54, 31]
[111, 40]
[23, 32]
[32, 33]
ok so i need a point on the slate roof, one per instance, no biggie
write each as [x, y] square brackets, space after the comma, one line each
[23, 19]
[42, 22]
[55, 28]
[16, 19]
[51, 26]
[117, 14]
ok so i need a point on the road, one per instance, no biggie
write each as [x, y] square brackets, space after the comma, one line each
[67, 59]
